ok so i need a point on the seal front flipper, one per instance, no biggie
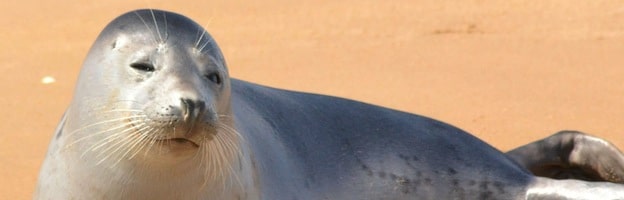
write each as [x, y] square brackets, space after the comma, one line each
[58, 132]
[572, 155]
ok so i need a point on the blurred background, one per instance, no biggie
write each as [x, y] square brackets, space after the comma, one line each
[510, 72]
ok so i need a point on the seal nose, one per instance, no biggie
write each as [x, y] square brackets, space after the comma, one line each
[192, 109]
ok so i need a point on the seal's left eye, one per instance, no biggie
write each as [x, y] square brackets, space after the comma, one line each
[147, 67]
[214, 77]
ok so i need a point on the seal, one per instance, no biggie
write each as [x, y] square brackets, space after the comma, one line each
[155, 115]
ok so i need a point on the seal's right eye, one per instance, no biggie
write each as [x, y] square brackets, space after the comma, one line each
[146, 67]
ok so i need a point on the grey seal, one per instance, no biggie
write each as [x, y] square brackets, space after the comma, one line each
[155, 115]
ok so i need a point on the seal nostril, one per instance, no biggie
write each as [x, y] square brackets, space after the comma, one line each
[201, 106]
[192, 109]
[188, 106]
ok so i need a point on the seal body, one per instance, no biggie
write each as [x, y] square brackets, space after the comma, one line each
[155, 115]
[335, 148]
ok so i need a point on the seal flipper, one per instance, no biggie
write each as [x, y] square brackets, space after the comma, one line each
[572, 155]
[58, 132]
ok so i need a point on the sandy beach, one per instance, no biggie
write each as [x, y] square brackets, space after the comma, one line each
[509, 72]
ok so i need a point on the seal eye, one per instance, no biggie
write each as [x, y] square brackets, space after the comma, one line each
[214, 77]
[146, 67]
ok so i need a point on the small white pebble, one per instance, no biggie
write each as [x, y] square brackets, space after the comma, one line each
[48, 80]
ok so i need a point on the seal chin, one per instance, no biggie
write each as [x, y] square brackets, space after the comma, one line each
[178, 141]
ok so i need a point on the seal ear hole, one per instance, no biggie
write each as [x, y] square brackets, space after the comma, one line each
[215, 78]
[146, 67]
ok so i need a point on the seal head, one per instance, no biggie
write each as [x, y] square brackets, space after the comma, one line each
[151, 108]
[160, 76]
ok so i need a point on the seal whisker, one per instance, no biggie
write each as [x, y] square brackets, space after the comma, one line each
[123, 110]
[204, 162]
[227, 153]
[166, 27]
[96, 134]
[128, 100]
[97, 106]
[217, 161]
[201, 49]
[120, 144]
[198, 155]
[230, 130]
[146, 26]
[221, 161]
[231, 139]
[116, 146]
[210, 161]
[230, 156]
[152, 142]
[156, 25]
[209, 21]
[234, 154]
[228, 143]
[128, 142]
[102, 122]
[200, 38]
[141, 140]
[112, 140]
[107, 140]
[113, 136]
[160, 144]
[142, 136]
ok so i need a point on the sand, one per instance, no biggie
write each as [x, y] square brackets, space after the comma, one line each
[509, 72]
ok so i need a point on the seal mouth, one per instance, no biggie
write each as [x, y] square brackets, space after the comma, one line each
[169, 141]
[182, 141]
